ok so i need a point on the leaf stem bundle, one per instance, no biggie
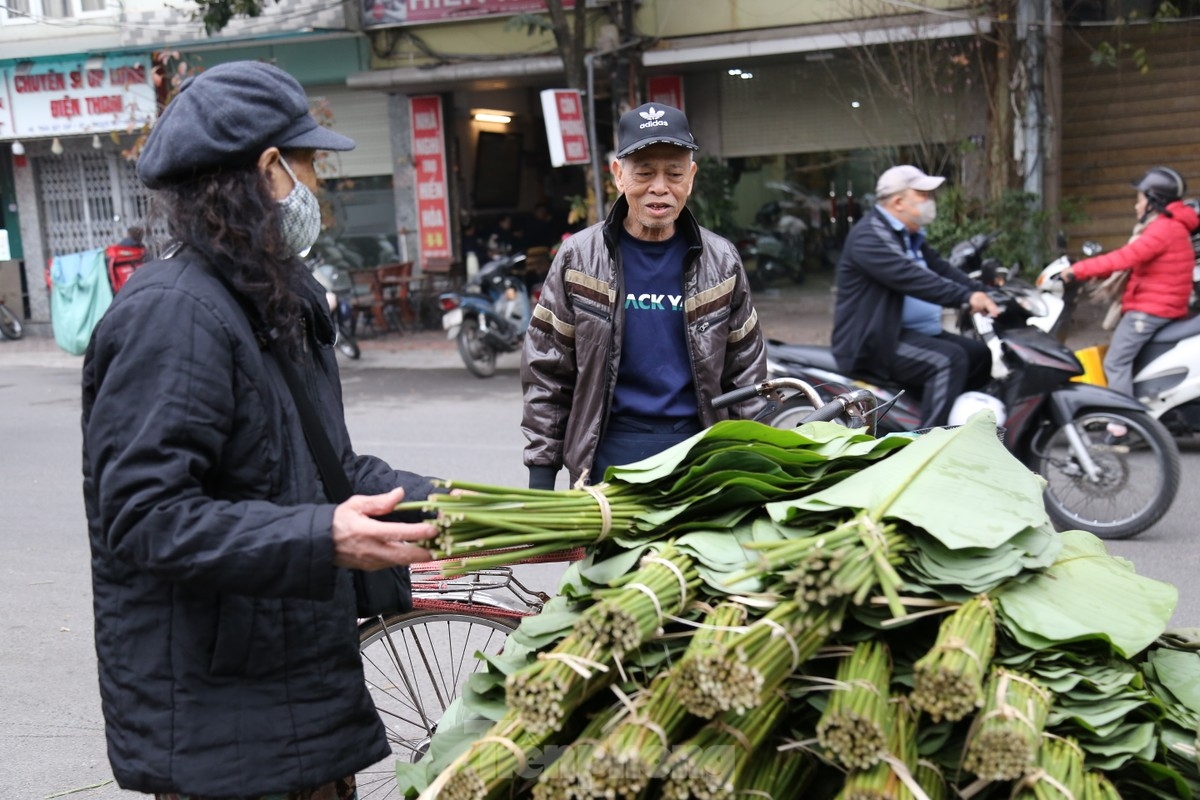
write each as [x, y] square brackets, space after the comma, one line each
[854, 725]
[948, 680]
[1004, 738]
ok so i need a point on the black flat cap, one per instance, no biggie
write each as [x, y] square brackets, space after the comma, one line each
[226, 116]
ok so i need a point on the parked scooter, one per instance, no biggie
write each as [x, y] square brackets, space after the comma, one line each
[338, 289]
[491, 314]
[773, 250]
[1110, 467]
[1166, 375]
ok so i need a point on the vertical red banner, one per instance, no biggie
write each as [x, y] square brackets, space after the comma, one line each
[665, 89]
[429, 160]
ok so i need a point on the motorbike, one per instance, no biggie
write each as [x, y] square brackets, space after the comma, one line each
[338, 288]
[491, 314]
[774, 248]
[1110, 467]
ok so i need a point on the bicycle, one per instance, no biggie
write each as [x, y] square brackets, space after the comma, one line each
[10, 324]
[416, 663]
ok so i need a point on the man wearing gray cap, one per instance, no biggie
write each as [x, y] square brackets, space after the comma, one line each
[222, 547]
[891, 287]
[643, 319]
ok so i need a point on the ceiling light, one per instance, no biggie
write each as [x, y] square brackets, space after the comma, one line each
[493, 116]
[746, 76]
[56, 147]
[18, 149]
[855, 104]
[735, 72]
[96, 141]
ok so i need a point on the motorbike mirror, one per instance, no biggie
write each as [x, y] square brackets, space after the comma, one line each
[1091, 248]
[1061, 241]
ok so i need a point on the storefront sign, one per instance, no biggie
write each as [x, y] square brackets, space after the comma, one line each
[665, 89]
[62, 98]
[383, 13]
[429, 159]
[565, 127]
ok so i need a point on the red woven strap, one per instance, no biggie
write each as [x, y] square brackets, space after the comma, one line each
[429, 604]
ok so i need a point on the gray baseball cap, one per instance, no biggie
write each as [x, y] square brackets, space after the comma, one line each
[906, 176]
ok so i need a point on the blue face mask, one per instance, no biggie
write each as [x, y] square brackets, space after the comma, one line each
[300, 215]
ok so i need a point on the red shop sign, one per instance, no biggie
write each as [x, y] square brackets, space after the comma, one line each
[665, 89]
[566, 131]
[429, 159]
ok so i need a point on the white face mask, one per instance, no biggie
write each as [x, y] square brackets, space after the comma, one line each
[926, 212]
[300, 215]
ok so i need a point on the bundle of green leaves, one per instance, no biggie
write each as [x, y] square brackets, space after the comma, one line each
[931, 559]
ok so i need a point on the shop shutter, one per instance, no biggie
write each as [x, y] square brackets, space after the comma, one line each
[1118, 121]
[89, 199]
[363, 116]
[805, 107]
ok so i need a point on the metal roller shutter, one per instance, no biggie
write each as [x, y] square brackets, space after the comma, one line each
[363, 116]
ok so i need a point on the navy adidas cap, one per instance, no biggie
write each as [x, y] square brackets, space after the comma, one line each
[653, 123]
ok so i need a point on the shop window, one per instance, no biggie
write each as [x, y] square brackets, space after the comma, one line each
[34, 11]
[360, 223]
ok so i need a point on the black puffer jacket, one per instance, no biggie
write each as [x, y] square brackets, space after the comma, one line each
[226, 638]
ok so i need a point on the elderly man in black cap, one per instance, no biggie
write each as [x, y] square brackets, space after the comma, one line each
[891, 287]
[643, 319]
[235, 533]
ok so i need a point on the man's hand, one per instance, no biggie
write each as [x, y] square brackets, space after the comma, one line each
[362, 542]
[980, 303]
[1067, 275]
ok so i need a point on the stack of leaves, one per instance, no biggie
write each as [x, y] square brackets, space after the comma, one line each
[989, 639]
[854, 725]
[949, 678]
[725, 472]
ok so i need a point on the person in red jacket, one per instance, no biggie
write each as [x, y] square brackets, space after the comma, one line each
[1160, 260]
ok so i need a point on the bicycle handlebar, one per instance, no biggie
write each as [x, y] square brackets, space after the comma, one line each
[736, 396]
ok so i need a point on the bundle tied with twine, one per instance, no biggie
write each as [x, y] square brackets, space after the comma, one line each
[1002, 744]
[948, 680]
[546, 692]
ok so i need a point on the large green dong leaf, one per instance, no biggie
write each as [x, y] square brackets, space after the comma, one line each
[1087, 594]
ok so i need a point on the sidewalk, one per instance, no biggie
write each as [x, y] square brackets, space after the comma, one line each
[795, 314]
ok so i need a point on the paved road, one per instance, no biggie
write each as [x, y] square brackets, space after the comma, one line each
[408, 400]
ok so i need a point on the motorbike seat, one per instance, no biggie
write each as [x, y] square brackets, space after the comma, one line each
[1177, 331]
[813, 355]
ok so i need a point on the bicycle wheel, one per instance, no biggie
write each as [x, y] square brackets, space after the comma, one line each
[10, 326]
[415, 664]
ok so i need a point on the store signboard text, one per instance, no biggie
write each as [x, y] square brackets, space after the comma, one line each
[429, 159]
[63, 98]
[384, 13]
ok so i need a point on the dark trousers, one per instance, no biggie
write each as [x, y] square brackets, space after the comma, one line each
[941, 368]
[628, 439]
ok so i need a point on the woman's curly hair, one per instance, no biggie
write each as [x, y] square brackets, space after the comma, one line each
[231, 220]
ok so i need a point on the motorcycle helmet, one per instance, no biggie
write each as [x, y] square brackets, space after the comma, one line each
[1162, 185]
[969, 403]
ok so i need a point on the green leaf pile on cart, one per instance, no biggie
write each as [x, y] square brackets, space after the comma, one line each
[817, 613]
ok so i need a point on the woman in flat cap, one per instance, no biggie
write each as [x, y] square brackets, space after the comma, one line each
[229, 562]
